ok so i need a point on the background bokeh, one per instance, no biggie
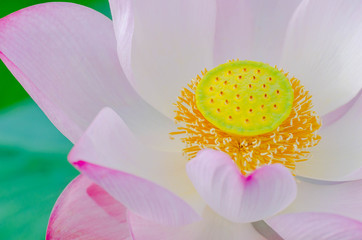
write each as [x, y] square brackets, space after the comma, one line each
[33, 165]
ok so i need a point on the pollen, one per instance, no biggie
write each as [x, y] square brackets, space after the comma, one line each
[249, 110]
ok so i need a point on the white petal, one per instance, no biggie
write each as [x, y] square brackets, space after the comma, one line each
[212, 227]
[172, 43]
[339, 152]
[252, 29]
[323, 49]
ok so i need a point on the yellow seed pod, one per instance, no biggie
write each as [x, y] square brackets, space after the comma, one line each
[245, 98]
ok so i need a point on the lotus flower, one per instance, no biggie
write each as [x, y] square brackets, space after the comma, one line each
[109, 88]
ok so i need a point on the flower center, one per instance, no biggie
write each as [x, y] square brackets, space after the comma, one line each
[251, 111]
[245, 98]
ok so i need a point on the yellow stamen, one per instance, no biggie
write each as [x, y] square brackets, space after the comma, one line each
[286, 142]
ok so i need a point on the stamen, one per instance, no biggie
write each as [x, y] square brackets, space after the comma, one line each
[287, 143]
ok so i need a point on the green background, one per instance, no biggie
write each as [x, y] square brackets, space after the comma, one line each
[33, 165]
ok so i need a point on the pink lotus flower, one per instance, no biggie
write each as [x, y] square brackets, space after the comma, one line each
[135, 183]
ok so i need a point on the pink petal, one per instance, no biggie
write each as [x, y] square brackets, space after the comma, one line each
[316, 226]
[339, 152]
[252, 29]
[211, 227]
[109, 143]
[172, 43]
[344, 198]
[263, 193]
[324, 50]
[65, 56]
[85, 211]
[140, 196]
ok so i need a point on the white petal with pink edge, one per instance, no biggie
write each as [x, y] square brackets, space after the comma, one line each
[65, 56]
[123, 23]
[140, 195]
[251, 29]
[343, 198]
[85, 211]
[339, 152]
[263, 193]
[109, 143]
[324, 50]
[211, 227]
[316, 226]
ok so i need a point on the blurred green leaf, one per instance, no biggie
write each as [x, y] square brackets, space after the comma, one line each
[33, 165]
[33, 171]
